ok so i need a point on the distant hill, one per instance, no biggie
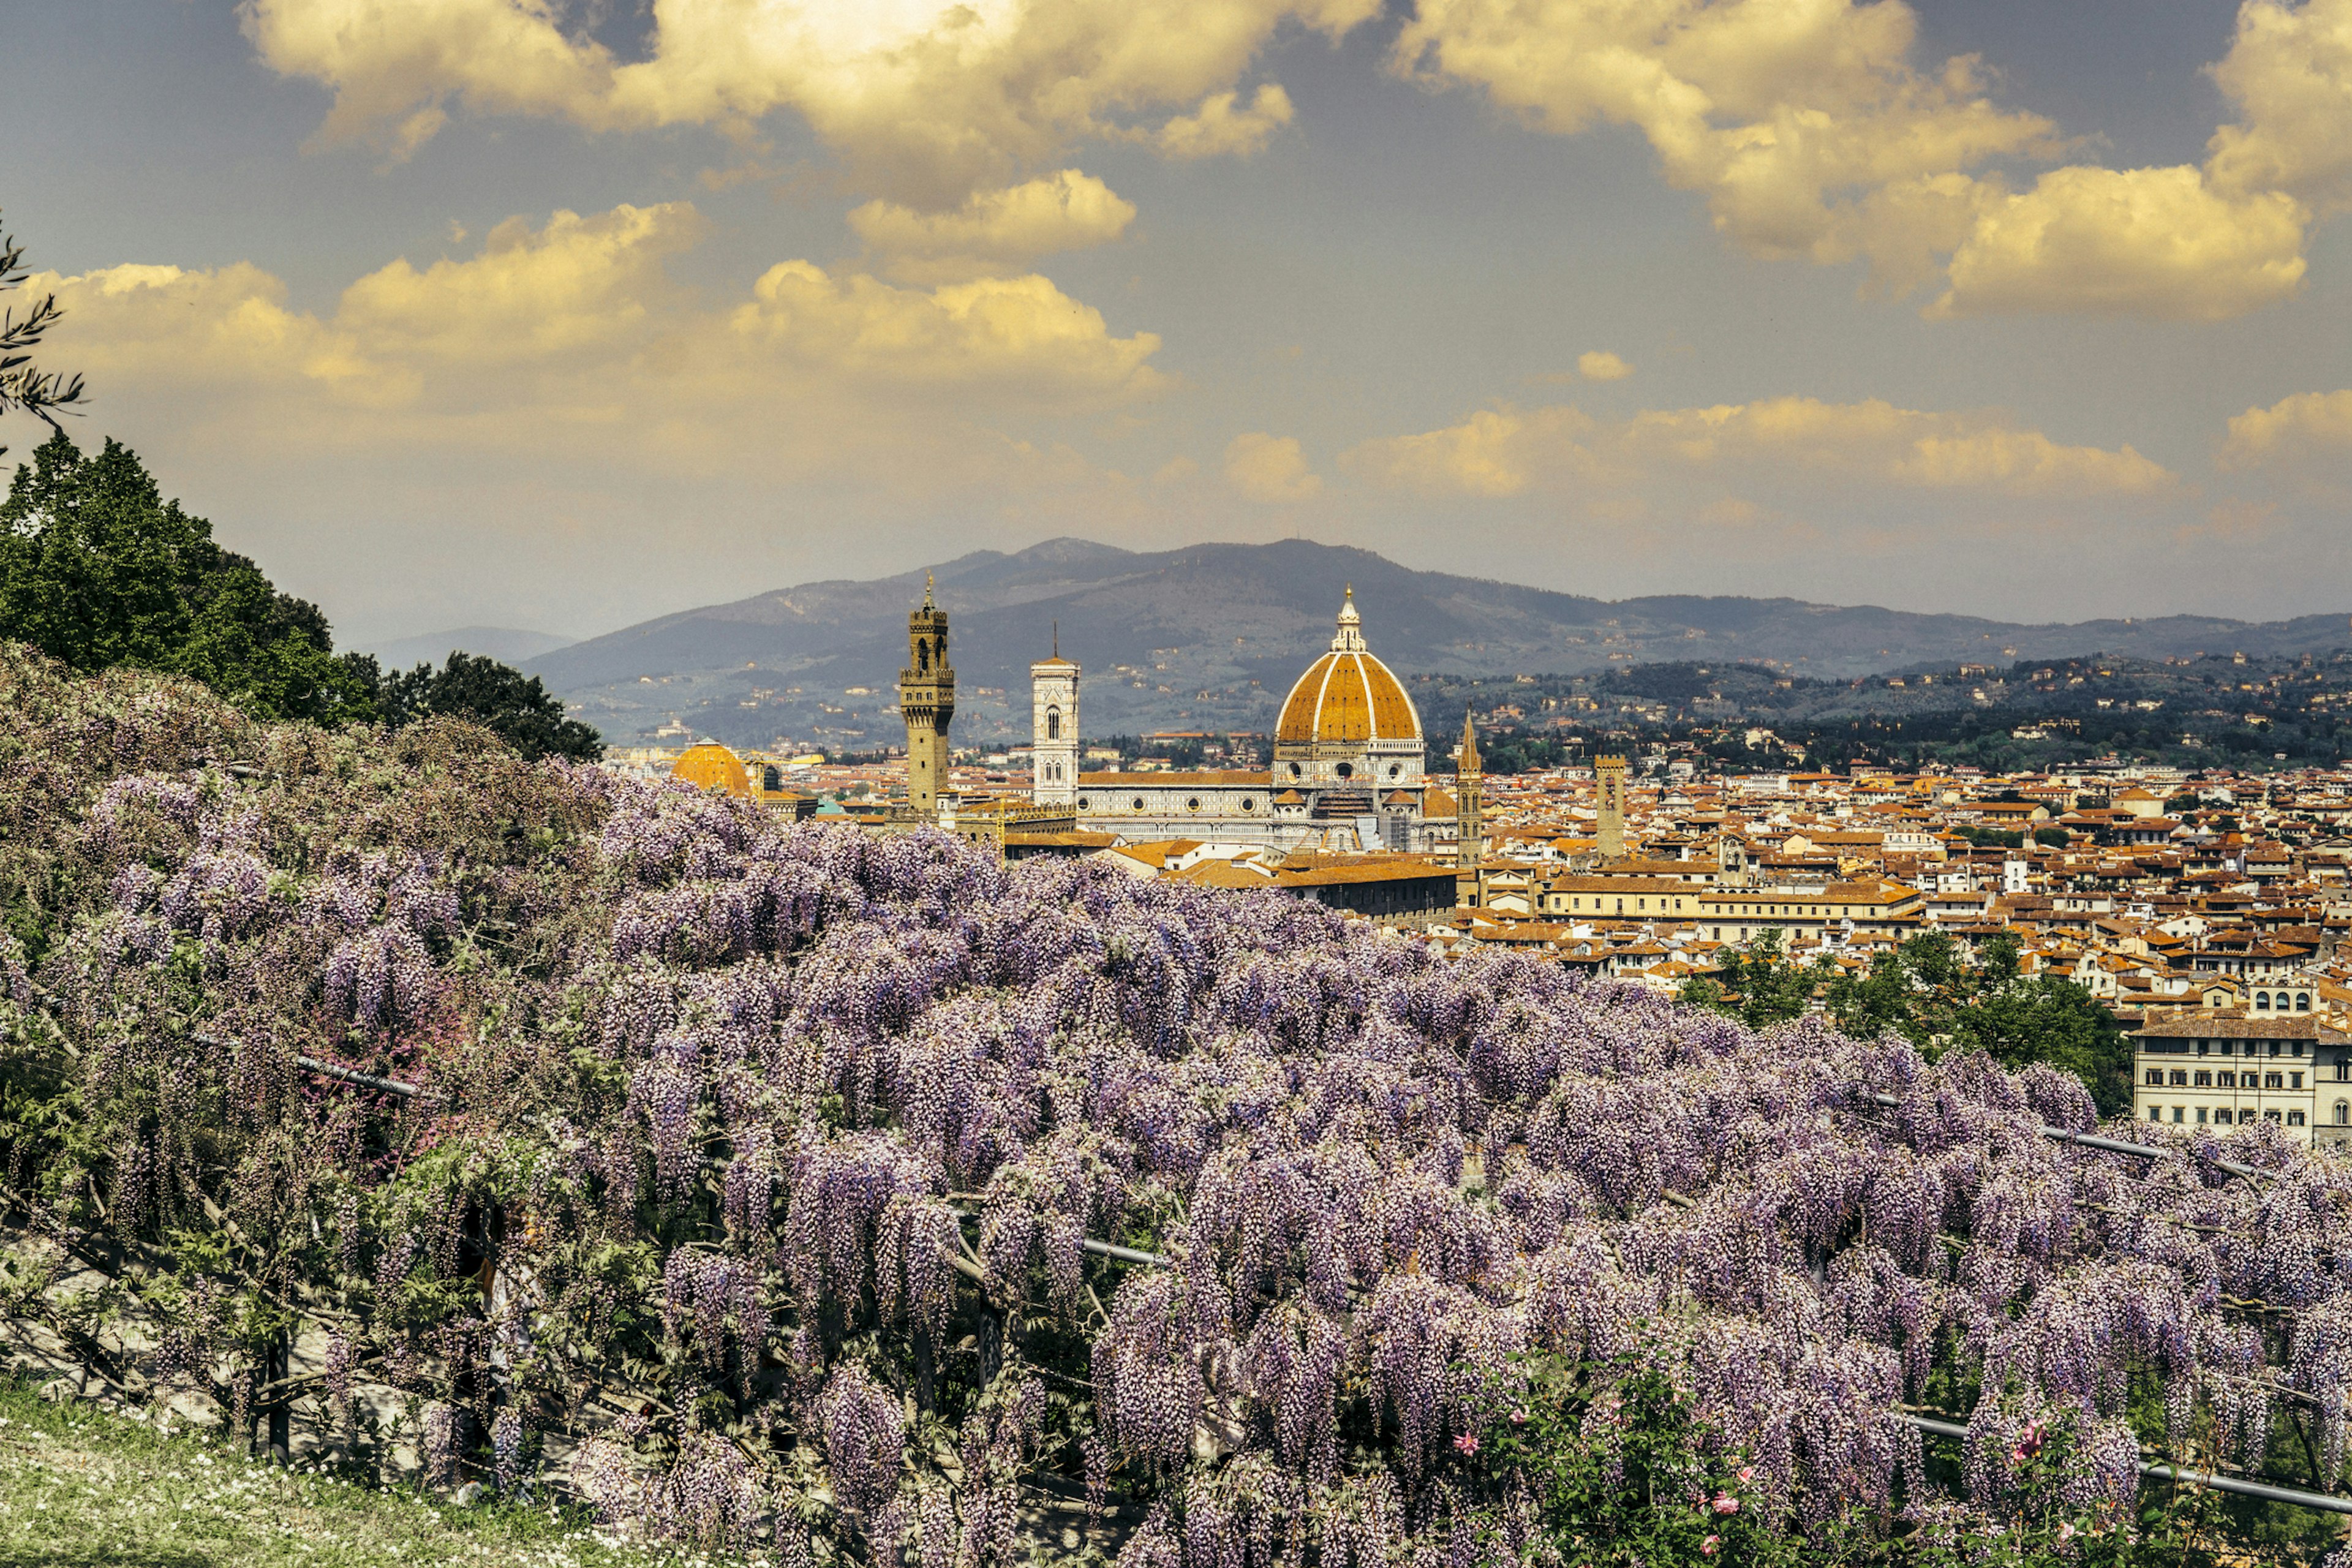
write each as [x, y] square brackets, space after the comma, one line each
[508, 644]
[1211, 636]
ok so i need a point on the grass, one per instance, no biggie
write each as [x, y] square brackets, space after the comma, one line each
[81, 1486]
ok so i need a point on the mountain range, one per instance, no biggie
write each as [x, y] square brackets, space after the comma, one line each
[1211, 636]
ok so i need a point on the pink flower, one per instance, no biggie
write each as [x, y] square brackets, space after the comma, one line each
[1725, 1503]
[1747, 1473]
[1520, 1418]
[2066, 1529]
[1467, 1442]
[1710, 1544]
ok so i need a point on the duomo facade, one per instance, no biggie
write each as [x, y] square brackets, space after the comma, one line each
[1348, 771]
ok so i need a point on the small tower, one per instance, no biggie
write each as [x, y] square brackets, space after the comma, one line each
[1608, 774]
[1469, 787]
[1053, 728]
[926, 701]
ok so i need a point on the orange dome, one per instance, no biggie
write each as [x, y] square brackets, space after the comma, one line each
[712, 767]
[1347, 697]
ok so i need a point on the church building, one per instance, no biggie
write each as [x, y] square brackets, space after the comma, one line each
[1348, 771]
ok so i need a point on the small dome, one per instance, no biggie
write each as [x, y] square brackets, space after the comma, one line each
[712, 767]
[1348, 697]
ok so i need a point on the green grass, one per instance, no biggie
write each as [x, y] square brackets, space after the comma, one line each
[81, 1486]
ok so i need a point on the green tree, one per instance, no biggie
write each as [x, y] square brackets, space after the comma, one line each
[500, 699]
[24, 385]
[1760, 984]
[98, 570]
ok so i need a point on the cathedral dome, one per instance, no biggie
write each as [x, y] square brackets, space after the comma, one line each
[712, 767]
[1348, 697]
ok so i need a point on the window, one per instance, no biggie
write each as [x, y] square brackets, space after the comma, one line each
[2269, 1116]
[2180, 1077]
[2344, 1113]
[2295, 1119]
[2155, 1113]
[1053, 723]
[2273, 1080]
[1295, 770]
[1396, 770]
[2344, 1069]
[2261, 1001]
[1248, 804]
[1346, 770]
[2302, 1001]
[2176, 1113]
[2204, 1080]
[1192, 803]
[2274, 1048]
[2299, 1081]
[2201, 1113]
[2228, 1081]
[1139, 803]
[1085, 804]
[2222, 1116]
[2156, 1076]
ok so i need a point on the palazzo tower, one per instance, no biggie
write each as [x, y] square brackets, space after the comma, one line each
[926, 701]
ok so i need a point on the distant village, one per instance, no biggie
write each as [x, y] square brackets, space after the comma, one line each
[2203, 907]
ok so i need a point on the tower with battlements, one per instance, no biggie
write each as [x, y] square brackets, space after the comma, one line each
[1469, 791]
[926, 701]
[1608, 774]
[1053, 729]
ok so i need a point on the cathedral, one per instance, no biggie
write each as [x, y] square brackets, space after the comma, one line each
[1348, 771]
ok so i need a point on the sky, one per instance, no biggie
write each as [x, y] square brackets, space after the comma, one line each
[561, 314]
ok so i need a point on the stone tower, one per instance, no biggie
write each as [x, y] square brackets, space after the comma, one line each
[1053, 728]
[1469, 789]
[1609, 774]
[926, 701]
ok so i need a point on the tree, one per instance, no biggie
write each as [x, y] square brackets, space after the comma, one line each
[1758, 985]
[24, 385]
[517, 708]
[98, 570]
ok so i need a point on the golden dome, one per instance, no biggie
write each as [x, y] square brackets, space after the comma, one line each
[712, 767]
[1348, 697]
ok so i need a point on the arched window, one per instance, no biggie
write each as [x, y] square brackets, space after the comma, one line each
[2261, 1001]
[922, 657]
[1396, 770]
[1347, 770]
[2302, 1001]
[1053, 723]
[2344, 1113]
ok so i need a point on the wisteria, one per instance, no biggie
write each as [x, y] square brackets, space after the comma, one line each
[771, 1168]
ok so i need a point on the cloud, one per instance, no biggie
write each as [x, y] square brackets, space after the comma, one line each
[927, 99]
[2309, 423]
[569, 338]
[1507, 451]
[2289, 74]
[2148, 242]
[994, 231]
[1219, 130]
[1813, 133]
[1600, 364]
[1270, 469]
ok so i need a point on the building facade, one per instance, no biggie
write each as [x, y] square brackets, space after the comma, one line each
[2203, 1068]
[1348, 773]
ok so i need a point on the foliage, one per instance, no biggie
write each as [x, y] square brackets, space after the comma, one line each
[759, 1162]
[1758, 983]
[96, 569]
[1934, 994]
[517, 708]
[25, 386]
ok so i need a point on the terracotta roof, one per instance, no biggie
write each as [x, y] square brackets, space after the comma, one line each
[1226, 778]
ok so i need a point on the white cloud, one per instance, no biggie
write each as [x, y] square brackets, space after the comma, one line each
[1812, 133]
[994, 231]
[2309, 423]
[928, 100]
[1219, 128]
[2148, 242]
[556, 340]
[1270, 469]
[1799, 441]
[1600, 364]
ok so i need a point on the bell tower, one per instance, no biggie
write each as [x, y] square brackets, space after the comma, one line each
[1469, 791]
[926, 701]
[1608, 780]
[1053, 728]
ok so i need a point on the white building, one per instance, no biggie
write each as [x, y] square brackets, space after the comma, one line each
[1053, 728]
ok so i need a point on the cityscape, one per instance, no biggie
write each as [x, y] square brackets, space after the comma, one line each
[1176, 783]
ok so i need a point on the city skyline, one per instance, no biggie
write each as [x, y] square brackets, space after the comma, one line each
[557, 317]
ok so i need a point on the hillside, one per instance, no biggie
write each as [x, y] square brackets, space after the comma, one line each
[1211, 636]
